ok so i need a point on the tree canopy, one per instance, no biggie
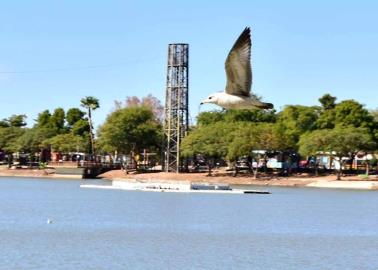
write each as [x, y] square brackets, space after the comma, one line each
[296, 120]
[148, 101]
[207, 118]
[231, 133]
[16, 120]
[130, 129]
[209, 140]
[68, 142]
[16, 137]
[338, 142]
[74, 115]
[328, 102]
[232, 140]
[136, 124]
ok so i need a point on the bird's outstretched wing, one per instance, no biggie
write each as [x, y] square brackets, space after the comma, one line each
[238, 66]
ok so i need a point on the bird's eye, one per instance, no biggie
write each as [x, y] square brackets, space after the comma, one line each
[210, 97]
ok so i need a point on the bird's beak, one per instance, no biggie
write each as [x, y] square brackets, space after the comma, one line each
[203, 102]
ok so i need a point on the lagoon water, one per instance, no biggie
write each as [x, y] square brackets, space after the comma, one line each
[293, 228]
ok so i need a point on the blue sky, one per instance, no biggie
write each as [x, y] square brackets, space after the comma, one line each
[301, 50]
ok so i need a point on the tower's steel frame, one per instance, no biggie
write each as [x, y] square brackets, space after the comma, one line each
[176, 121]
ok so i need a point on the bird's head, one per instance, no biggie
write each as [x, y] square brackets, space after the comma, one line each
[213, 98]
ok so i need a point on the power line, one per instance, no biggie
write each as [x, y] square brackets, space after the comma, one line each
[60, 69]
[63, 69]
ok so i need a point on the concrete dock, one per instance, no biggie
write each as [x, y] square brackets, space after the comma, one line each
[174, 187]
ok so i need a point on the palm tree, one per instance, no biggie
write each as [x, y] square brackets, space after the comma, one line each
[91, 104]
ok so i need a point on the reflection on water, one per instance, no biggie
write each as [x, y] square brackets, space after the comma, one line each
[109, 229]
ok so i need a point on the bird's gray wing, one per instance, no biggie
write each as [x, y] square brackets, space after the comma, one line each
[238, 66]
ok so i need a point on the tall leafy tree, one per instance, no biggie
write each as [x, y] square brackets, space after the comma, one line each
[91, 104]
[130, 129]
[74, 115]
[211, 141]
[296, 120]
[352, 113]
[57, 120]
[338, 143]
[346, 113]
[43, 119]
[16, 120]
[256, 136]
[208, 118]
[47, 126]
[81, 128]
[68, 143]
[328, 102]
[148, 101]
[374, 113]
[9, 137]
[256, 116]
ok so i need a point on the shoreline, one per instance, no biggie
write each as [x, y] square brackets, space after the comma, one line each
[329, 181]
[35, 173]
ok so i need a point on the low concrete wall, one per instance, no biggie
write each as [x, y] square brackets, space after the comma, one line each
[69, 172]
[150, 185]
[345, 184]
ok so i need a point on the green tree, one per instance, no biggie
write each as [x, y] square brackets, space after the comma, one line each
[210, 140]
[328, 102]
[32, 140]
[43, 119]
[16, 120]
[9, 137]
[148, 101]
[256, 136]
[81, 128]
[67, 143]
[374, 113]
[130, 129]
[4, 123]
[91, 104]
[250, 116]
[296, 120]
[230, 140]
[74, 115]
[76, 122]
[207, 118]
[326, 120]
[338, 142]
[346, 113]
[57, 120]
[47, 126]
[352, 113]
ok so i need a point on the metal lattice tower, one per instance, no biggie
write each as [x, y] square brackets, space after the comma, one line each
[176, 105]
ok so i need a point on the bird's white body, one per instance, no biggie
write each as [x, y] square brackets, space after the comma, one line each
[237, 94]
[228, 101]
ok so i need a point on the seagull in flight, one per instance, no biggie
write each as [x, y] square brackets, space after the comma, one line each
[237, 94]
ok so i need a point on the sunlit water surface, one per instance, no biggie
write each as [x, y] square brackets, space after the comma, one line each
[293, 228]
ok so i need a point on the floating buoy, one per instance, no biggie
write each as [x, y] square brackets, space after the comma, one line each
[49, 221]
